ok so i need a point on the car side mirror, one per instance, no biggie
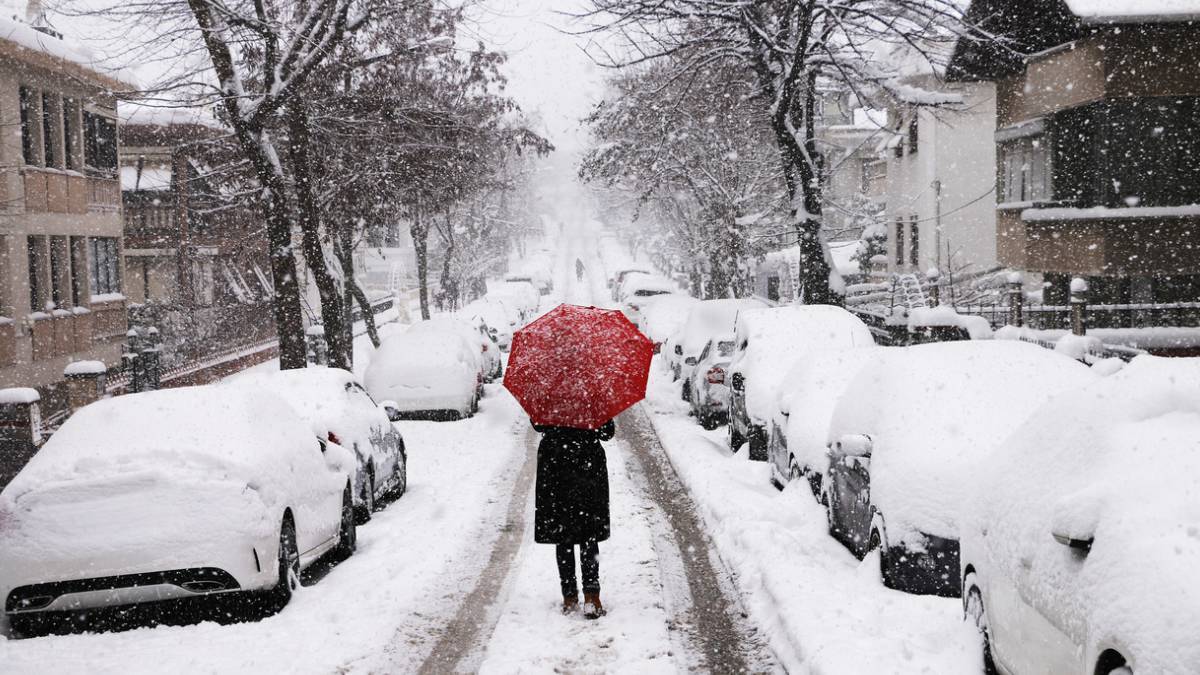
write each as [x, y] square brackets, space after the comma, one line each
[1082, 545]
[690, 361]
[393, 412]
[678, 350]
[853, 445]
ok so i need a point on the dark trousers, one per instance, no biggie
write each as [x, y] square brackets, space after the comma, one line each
[589, 562]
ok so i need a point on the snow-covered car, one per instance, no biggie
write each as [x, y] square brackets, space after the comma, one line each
[496, 317]
[425, 376]
[525, 294]
[1082, 540]
[707, 386]
[513, 304]
[639, 288]
[173, 494]
[706, 320]
[662, 315]
[538, 278]
[491, 365]
[800, 424]
[339, 409]
[768, 342]
[906, 445]
[618, 277]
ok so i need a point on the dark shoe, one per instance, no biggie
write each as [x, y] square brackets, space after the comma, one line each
[592, 609]
[570, 604]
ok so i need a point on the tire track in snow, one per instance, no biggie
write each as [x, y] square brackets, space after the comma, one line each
[477, 615]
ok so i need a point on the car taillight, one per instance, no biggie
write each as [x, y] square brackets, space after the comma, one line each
[334, 439]
[716, 376]
[484, 348]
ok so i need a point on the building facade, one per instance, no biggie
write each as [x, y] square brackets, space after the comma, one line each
[196, 259]
[940, 177]
[1098, 114]
[61, 293]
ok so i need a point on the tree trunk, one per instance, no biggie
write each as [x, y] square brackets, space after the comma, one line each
[449, 284]
[333, 314]
[420, 236]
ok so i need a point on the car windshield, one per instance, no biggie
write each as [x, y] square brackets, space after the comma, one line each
[725, 348]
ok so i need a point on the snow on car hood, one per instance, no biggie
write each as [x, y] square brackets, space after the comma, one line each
[712, 317]
[934, 412]
[1118, 461]
[664, 314]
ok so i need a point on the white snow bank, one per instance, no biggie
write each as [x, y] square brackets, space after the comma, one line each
[933, 412]
[1119, 462]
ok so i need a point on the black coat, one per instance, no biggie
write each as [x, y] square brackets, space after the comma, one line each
[571, 500]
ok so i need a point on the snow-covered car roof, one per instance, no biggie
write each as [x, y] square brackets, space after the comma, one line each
[772, 339]
[230, 431]
[416, 357]
[445, 325]
[664, 314]
[712, 317]
[934, 412]
[327, 398]
[1118, 461]
[635, 283]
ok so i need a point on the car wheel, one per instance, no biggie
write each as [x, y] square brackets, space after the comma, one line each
[973, 610]
[366, 506]
[348, 528]
[26, 626]
[886, 573]
[708, 421]
[289, 565]
[400, 477]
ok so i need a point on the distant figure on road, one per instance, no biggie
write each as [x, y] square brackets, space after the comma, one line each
[579, 268]
[571, 507]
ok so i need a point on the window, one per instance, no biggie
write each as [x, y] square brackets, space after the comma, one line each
[704, 352]
[69, 110]
[914, 130]
[914, 241]
[725, 348]
[99, 143]
[105, 263]
[58, 270]
[78, 262]
[773, 288]
[35, 274]
[899, 242]
[1025, 170]
[203, 286]
[28, 120]
[49, 147]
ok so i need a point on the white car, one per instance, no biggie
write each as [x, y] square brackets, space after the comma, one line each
[799, 428]
[525, 294]
[493, 314]
[641, 288]
[180, 493]
[906, 445]
[341, 410]
[1080, 549]
[512, 305]
[662, 315]
[538, 278]
[768, 342]
[425, 376]
[708, 385]
[480, 341]
[618, 277]
[707, 319]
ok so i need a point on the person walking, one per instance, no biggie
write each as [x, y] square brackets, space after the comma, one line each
[579, 269]
[571, 507]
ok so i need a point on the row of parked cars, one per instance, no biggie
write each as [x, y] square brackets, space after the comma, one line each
[1060, 504]
[232, 490]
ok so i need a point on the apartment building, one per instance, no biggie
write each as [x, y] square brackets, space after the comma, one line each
[1098, 109]
[61, 293]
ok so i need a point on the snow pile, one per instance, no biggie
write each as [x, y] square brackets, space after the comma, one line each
[770, 340]
[933, 412]
[85, 368]
[19, 396]
[1118, 462]
[810, 392]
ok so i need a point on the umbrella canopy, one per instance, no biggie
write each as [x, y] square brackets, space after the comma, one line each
[578, 366]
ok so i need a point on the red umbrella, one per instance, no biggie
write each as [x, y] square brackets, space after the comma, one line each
[578, 366]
